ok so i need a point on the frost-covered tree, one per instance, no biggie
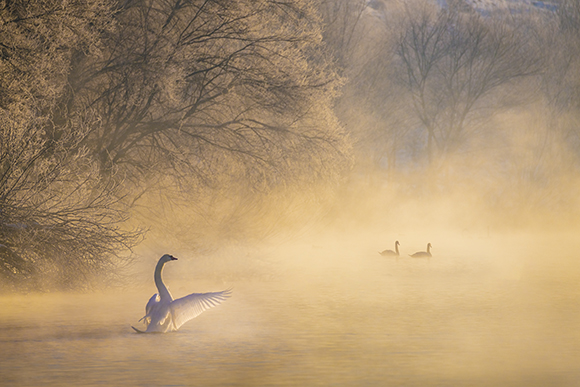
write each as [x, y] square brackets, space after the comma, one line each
[200, 101]
[59, 219]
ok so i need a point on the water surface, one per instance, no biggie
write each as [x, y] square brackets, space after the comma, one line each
[329, 316]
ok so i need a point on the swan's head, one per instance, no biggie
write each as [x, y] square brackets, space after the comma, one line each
[397, 243]
[429, 245]
[167, 258]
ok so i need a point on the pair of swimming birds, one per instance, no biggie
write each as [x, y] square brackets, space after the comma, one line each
[164, 314]
[419, 254]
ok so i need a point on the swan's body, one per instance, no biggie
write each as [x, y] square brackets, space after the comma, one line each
[391, 253]
[423, 254]
[164, 314]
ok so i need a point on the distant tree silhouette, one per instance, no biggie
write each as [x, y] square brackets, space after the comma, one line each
[452, 63]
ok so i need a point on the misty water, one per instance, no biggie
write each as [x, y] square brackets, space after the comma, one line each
[483, 311]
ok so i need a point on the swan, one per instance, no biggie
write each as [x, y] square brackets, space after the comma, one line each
[423, 254]
[164, 314]
[391, 253]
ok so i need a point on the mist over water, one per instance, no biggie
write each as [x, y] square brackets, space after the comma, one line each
[293, 217]
[324, 309]
[497, 304]
[315, 304]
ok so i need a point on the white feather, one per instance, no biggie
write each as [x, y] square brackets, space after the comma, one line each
[164, 314]
[191, 306]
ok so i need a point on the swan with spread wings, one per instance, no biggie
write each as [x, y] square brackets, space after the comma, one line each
[164, 314]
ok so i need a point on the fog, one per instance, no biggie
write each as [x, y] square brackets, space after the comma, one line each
[322, 308]
[280, 168]
[315, 303]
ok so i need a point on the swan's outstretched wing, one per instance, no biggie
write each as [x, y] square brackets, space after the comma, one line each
[188, 307]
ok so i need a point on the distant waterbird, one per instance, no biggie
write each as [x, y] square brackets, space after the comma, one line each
[391, 253]
[423, 254]
[164, 314]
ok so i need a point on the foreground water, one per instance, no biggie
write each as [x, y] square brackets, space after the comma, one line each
[342, 316]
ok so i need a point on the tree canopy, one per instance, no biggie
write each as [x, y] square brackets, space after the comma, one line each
[106, 101]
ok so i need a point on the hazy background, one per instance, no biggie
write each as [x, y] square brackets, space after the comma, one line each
[131, 129]
[277, 147]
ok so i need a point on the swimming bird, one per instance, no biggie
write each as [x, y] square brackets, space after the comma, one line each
[391, 253]
[164, 314]
[423, 254]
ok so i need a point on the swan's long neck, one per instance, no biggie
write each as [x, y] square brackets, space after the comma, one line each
[163, 291]
[429, 248]
[397, 248]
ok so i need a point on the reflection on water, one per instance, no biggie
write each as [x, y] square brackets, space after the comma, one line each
[332, 317]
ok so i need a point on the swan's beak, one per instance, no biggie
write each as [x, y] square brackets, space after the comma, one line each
[173, 258]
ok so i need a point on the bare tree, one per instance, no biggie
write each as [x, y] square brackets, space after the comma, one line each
[369, 105]
[194, 88]
[107, 101]
[198, 99]
[60, 222]
[451, 63]
[344, 29]
[561, 80]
